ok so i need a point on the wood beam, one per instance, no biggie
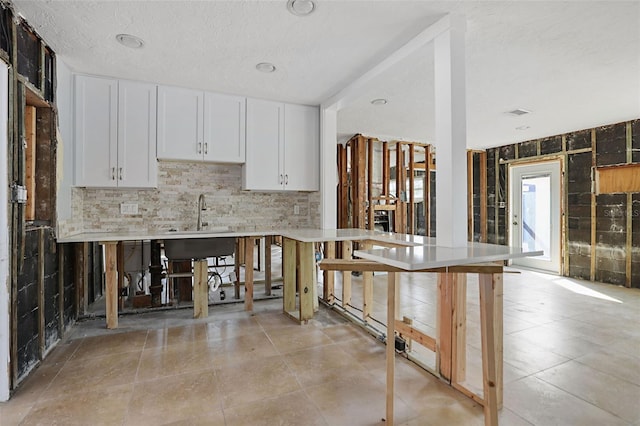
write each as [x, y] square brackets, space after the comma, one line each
[346, 275]
[370, 210]
[111, 277]
[483, 196]
[412, 207]
[329, 277]
[416, 335]
[30, 160]
[249, 243]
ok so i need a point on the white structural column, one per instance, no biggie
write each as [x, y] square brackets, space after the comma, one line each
[451, 134]
[5, 337]
[328, 167]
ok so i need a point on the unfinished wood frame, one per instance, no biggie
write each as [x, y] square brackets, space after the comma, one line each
[297, 255]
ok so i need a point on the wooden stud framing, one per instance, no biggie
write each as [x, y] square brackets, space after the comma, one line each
[459, 327]
[249, 242]
[398, 216]
[346, 275]
[386, 157]
[111, 278]
[30, 161]
[200, 289]
[307, 284]
[370, 210]
[412, 207]
[360, 178]
[329, 277]
[565, 209]
[392, 283]
[427, 190]
[288, 274]
[343, 188]
[487, 327]
[496, 217]
[414, 334]
[268, 241]
[444, 326]
[236, 268]
[120, 268]
[367, 289]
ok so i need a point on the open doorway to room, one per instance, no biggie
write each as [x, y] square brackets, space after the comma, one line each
[535, 213]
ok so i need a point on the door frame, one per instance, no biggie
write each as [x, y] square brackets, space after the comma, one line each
[561, 200]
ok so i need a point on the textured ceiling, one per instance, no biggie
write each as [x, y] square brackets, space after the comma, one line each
[574, 64]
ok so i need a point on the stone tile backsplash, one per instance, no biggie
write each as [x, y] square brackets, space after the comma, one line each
[173, 205]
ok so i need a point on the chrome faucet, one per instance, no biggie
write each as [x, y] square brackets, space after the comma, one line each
[202, 205]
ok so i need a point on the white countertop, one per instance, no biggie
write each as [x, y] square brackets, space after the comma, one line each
[434, 256]
[211, 232]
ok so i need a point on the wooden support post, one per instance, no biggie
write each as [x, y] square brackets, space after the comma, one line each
[427, 190]
[200, 289]
[367, 289]
[111, 277]
[498, 327]
[398, 223]
[30, 160]
[459, 323]
[268, 241]
[392, 280]
[346, 275]
[249, 242]
[412, 206]
[360, 182]
[343, 188]
[489, 340]
[236, 284]
[385, 168]
[307, 266]
[370, 210]
[329, 276]
[444, 326]
[40, 286]
[629, 234]
[289, 274]
[120, 267]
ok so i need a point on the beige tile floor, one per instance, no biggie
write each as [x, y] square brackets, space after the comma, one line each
[571, 350]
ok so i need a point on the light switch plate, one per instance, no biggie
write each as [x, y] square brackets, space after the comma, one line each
[129, 208]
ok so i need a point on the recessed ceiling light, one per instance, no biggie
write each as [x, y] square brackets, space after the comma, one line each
[265, 67]
[301, 7]
[523, 127]
[379, 101]
[519, 112]
[129, 40]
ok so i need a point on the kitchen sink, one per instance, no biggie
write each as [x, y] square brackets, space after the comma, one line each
[198, 248]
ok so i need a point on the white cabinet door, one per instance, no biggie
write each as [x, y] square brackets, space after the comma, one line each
[180, 118]
[301, 148]
[137, 164]
[95, 131]
[263, 169]
[224, 128]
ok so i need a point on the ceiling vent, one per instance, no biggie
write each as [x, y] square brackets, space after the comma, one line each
[518, 112]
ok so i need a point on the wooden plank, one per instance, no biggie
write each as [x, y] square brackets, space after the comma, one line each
[370, 211]
[392, 281]
[385, 168]
[444, 325]
[592, 274]
[200, 289]
[387, 207]
[361, 207]
[412, 206]
[459, 328]
[289, 274]
[268, 241]
[362, 265]
[111, 284]
[483, 196]
[30, 160]
[249, 243]
[120, 267]
[236, 268]
[498, 327]
[427, 190]
[488, 337]
[343, 188]
[346, 275]
[416, 335]
[367, 289]
[619, 178]
[398, 223]
[41, 301]
[306, 263]
[329, 277]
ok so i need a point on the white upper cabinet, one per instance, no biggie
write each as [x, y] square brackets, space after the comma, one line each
[302, 147]
[263, 169]
[115, 133]
[282, 147]
[224, 128]
[198, 126]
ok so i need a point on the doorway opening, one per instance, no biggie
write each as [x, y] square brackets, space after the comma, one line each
[535, 213]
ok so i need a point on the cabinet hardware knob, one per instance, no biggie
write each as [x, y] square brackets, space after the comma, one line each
[199, 147]
[280, 179]
[120, 173]
[113, 173]
[206, 148]
[286, 179]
